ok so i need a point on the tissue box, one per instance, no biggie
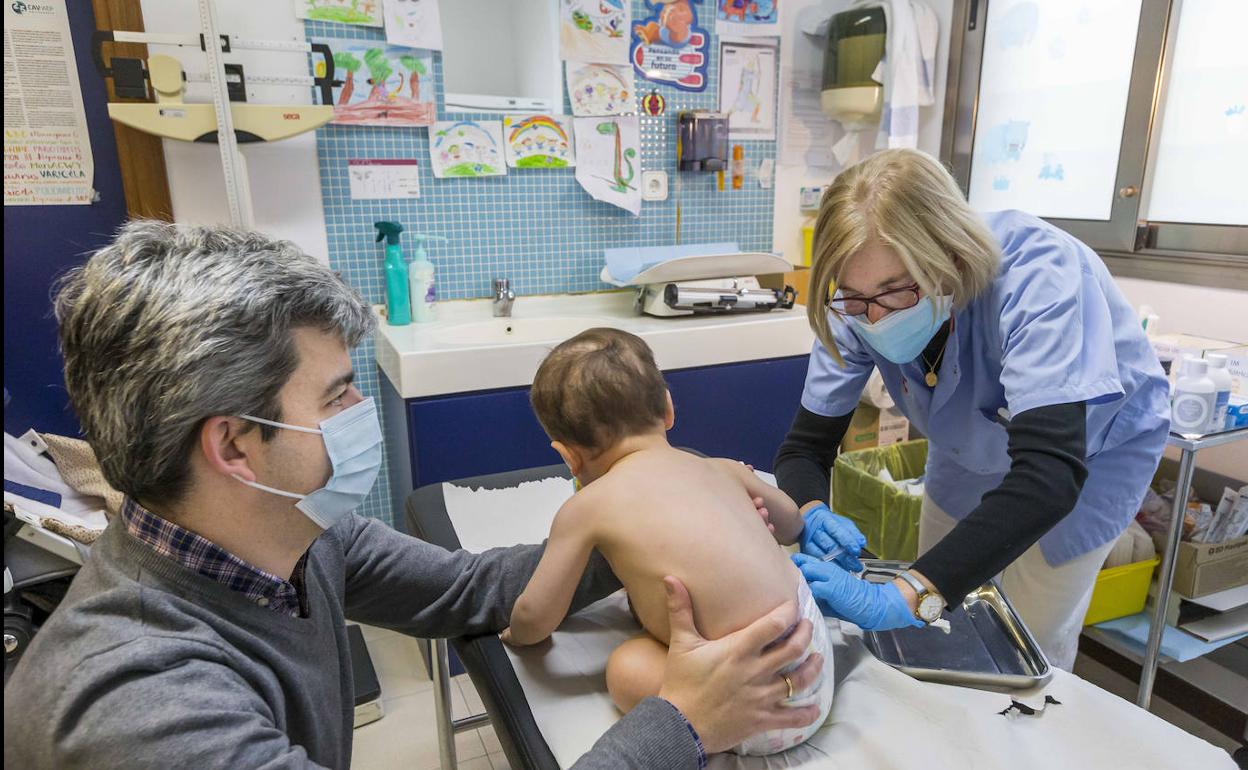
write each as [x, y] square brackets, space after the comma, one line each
[1201, 569]
[1237, 366]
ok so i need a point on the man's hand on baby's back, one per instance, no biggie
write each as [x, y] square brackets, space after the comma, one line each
[731, 688]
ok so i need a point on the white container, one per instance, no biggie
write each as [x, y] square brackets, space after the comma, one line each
[1222, 391]
[424, 290]
[1195, 398]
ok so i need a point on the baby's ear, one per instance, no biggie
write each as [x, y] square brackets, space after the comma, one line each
[571, 457]
[669, 419]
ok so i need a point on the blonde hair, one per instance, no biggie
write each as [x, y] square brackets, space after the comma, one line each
[904, 199]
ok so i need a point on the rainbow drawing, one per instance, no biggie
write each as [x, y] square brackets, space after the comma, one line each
[538, 141]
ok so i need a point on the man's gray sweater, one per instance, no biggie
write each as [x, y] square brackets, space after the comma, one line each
[148, 664]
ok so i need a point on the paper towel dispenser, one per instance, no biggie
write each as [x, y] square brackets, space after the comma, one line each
[855, 45]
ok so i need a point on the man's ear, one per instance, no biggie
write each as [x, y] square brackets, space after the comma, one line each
[669, 419]
[224, 452]
[571, 457]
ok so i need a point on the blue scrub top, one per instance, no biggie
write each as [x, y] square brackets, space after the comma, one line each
[1053, 328]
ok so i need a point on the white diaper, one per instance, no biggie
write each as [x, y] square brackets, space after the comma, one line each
[819, 693]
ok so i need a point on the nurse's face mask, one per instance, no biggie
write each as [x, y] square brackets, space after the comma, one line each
[353, 441]
[901, 335]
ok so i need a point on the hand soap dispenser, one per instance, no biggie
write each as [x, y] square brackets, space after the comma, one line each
[398, 305]
[424, 289]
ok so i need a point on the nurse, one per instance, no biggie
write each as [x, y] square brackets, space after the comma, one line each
[1005, 341]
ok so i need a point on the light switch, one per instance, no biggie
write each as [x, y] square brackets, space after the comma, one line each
[654, 185]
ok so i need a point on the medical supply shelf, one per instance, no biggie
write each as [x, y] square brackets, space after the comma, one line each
[1188, 446]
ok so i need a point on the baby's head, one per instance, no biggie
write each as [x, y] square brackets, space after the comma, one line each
[597, 389]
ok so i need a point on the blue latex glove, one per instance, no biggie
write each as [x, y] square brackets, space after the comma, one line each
[824, 531]
[871, 606]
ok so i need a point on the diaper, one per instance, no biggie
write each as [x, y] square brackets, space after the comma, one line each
[819, 693]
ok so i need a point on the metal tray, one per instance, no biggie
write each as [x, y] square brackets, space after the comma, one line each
[987, 645]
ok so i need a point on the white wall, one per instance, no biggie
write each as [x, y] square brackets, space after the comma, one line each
[285, 179]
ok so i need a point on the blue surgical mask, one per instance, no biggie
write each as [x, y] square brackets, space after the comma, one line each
[353, 440]
[901, 335]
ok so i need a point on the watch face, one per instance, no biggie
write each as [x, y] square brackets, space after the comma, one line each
[930, 608]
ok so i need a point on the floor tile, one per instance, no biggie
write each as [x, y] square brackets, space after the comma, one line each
[407, 736]
[490, 739]
[399, 667]
[499, 761]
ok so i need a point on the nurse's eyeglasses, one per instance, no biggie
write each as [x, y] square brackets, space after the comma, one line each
[893, 299]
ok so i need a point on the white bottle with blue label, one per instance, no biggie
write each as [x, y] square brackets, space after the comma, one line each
[1222, 391]
[423, 277]
[1195, 398]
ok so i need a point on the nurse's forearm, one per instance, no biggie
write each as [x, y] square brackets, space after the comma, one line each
[1047, 448]
[803, 465]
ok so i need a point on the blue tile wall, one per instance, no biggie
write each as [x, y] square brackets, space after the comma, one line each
[534, 226]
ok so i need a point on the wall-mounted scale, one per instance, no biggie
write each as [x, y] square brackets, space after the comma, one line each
[228, 120]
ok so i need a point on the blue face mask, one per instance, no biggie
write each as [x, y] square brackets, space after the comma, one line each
[901, 335]
[353, 440]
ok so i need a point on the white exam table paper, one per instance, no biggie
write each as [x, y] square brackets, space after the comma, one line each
[880, 719]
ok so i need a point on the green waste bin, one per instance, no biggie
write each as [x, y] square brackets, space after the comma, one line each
[886, 515]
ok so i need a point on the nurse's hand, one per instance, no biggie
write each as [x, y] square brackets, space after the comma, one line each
[871, 606]
[825, 531]
[731, 688]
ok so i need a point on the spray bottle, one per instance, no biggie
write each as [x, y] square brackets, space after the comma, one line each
[398, 305]
[424, 288]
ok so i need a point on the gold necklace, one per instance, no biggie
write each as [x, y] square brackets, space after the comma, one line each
[930, 378]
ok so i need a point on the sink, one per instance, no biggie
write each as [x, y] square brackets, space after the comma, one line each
[505, 331]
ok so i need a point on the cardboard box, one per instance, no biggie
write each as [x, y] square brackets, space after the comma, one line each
[1202, 569]
[871, 427]
[1174, 346]
[1237, 366]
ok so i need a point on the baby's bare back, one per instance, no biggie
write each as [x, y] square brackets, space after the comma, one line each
[666, 512]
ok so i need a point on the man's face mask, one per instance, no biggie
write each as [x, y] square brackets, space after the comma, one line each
[353, 441]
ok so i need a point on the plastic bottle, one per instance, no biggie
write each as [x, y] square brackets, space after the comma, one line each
[1195, 397]
[1222, 393]
[398, 304]
[738, 166]
[424, 287]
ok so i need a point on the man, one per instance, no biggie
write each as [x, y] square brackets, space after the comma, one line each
[210, 369]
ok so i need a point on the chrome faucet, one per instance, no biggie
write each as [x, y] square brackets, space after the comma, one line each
[504, 297]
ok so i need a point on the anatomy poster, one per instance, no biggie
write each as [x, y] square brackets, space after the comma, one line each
[414, 24]
[376, 84]
[593, 31]
[600, 89]
[538, 141]
[608, 160]
[747, 89]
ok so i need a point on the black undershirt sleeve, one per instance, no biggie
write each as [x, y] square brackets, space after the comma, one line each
[1047, 448]
[803, 464]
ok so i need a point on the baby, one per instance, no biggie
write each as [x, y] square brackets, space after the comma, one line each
[652, 511]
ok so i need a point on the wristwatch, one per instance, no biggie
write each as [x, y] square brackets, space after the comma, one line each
[931, 604]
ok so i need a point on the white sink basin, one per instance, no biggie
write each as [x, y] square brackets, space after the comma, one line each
[505, 331]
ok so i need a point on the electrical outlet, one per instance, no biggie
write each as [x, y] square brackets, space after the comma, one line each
[654, 185]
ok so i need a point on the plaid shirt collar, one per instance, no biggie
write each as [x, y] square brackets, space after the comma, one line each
[205, 557]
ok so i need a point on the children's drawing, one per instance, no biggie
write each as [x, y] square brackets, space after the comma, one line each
[467, 148]
[376, 84]
[669, 47]
[600, 89]
[747, 17]
[747, 89]
[414, 24]
[593, 30]
[538, 141]
[608, 159]
[365, 12]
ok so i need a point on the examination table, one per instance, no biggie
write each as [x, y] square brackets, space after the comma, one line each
[549, 703]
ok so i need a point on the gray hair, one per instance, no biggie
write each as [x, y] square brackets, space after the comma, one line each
[170, 325]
